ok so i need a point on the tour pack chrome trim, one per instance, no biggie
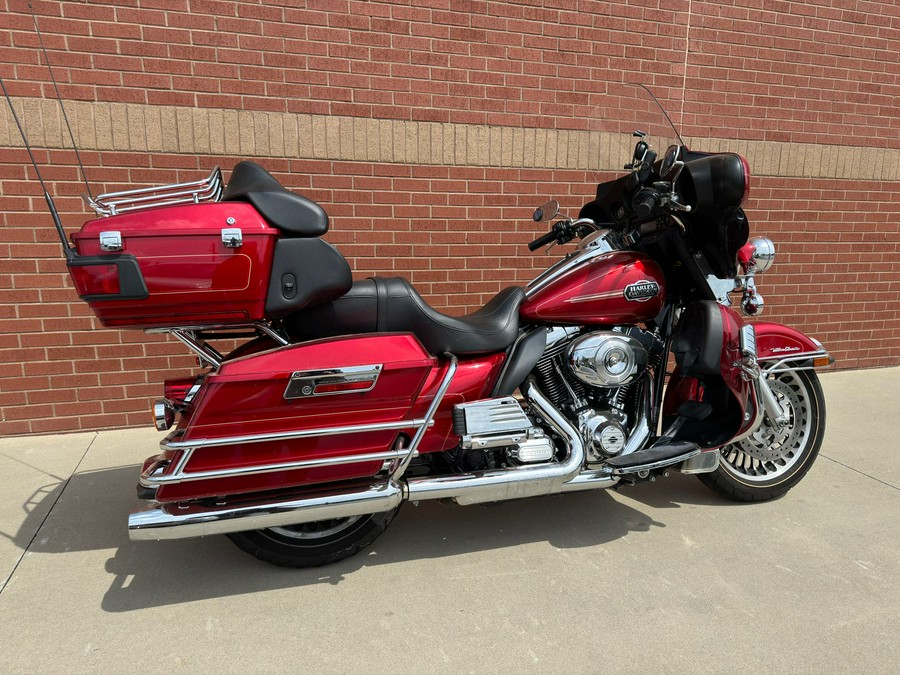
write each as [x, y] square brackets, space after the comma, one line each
[306, 383]
[208, 189]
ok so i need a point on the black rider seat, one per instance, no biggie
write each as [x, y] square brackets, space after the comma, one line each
[393, 305]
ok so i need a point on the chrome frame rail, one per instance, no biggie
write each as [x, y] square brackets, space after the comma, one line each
[193, 518]
[209, 189]
[204, 351]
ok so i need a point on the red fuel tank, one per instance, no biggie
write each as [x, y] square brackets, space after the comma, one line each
[613, 288]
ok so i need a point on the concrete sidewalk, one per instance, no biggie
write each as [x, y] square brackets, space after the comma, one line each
[662, 577]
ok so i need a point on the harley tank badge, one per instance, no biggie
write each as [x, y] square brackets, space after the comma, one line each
[641, 291]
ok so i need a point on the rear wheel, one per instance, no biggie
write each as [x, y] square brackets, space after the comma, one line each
[772, 460]
[313, 544]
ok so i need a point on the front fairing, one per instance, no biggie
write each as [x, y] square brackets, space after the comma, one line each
[732, 395]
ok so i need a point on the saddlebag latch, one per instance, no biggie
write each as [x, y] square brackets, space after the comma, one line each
[232, 237]
[111, 241]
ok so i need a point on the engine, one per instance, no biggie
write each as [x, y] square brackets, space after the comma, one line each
[606, 359]
[596, 378]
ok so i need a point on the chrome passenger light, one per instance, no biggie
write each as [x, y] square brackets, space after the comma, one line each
[163, 414]
[763, 253]
[756, 256]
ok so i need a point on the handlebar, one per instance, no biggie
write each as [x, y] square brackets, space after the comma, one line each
[543, 240]
[646, 203]
[563, 231]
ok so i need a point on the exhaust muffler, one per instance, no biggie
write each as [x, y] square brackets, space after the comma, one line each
[184, 520]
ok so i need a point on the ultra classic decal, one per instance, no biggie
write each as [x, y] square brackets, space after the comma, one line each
[641, 291]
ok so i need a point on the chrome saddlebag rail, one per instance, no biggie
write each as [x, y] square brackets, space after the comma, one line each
[192, 519]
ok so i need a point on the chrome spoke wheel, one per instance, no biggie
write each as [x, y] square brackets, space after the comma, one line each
[317, 530]
[313, 544]
[770, 451]
[774, 458]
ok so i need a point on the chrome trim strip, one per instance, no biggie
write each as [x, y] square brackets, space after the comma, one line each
[428, 420]
[299, 433]
[180, 521]
[303, 383]
[154, 475]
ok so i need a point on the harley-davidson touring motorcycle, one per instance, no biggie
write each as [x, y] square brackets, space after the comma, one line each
[622, 362]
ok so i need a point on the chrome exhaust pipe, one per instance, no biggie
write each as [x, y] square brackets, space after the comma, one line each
[517, 482]
[180, 521]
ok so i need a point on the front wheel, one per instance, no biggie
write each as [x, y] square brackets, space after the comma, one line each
[314, 544]
[771, 461]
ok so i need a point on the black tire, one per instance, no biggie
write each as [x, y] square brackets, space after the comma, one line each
[313, 544]
[769, 462]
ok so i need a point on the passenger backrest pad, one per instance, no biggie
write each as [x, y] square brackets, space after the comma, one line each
[293, 214]
[305, 273]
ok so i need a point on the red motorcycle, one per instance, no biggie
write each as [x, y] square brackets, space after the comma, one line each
[621, 362]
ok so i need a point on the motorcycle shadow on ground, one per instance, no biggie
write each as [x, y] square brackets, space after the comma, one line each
[91, 512]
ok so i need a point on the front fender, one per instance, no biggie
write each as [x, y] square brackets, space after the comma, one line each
[775, 342]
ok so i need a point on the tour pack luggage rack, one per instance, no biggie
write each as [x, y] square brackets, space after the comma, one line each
[113, 203]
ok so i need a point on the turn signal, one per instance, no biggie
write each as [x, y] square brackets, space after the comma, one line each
[163, 414]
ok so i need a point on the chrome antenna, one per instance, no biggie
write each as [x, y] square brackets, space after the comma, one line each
[59, 98]
[69, 253]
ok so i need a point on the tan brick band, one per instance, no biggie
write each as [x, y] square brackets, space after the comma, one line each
[171, 129]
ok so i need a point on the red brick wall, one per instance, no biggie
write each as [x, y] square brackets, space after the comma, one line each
[826, 78]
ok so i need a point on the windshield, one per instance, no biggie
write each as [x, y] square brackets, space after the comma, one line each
[622, 110]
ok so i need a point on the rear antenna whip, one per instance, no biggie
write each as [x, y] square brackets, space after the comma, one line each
[69, 253]
[61, 106]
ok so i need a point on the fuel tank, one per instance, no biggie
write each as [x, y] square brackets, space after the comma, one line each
[613, 288]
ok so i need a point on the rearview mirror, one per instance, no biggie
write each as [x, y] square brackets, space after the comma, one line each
[546, 212]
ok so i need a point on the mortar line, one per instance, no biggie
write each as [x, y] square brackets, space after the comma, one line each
[862, 473]
[47, 515]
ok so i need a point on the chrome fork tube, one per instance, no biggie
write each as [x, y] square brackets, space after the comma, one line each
[774, 412]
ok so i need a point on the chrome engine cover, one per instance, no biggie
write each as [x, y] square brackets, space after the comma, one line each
[501, 423]
[603, 433]
[607, 359]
